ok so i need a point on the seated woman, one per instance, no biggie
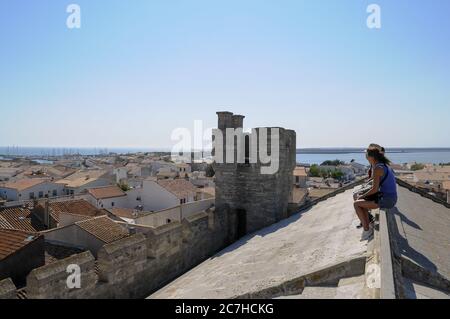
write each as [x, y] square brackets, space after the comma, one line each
[383, 193]
[364, 188]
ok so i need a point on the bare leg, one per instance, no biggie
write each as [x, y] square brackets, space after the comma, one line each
[362, 208]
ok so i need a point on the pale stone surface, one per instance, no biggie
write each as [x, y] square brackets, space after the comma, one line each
[320, 237]
[352, 288]
[415, 290]
[423, 232]
[315, 293]
[348, 288]
[7, 289]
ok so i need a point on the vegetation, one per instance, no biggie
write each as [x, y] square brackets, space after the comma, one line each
[336, 162]
[124, 187]
[417, 166]
[317, 171]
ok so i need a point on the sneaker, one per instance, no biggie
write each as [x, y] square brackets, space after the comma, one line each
[366, 234]
[371, 221]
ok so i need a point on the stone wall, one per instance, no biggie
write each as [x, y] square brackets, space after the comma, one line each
[133, 267]
[177, 213]
[255, 200]
[7, 289]
[18, 265]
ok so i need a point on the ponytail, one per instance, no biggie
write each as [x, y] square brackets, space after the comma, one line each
[378, 155]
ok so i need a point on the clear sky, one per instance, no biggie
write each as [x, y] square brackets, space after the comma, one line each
[136, 70]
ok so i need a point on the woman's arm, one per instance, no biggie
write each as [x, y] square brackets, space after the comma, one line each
[378, 173]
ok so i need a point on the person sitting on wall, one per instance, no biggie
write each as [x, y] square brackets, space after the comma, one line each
[367, 186]
[382, 194]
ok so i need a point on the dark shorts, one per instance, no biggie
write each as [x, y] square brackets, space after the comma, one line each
[387, 202]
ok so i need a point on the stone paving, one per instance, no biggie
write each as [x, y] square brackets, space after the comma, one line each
[423, 232]
[320, 237]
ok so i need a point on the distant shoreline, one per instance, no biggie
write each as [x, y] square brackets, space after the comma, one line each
[362, 150]
[87, 151]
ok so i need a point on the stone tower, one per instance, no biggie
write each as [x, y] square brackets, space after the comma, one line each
[254, 200]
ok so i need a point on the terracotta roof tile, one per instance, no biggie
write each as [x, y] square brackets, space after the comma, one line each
[13, 240]
[106, 192]
[300, 171]
[25, 183]
[74, 207]
[19, 218]
[446, 185]
[104, 228]
[179, 187]
[82, 178]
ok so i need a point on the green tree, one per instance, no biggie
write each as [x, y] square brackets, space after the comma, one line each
[336, 162]
[337, 174]
[123, 186]
[417, 166]
[314, 171]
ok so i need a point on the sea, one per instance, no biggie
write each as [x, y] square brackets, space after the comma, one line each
[397, 158]
[44, 155]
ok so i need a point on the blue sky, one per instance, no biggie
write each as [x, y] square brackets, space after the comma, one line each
[136, 70]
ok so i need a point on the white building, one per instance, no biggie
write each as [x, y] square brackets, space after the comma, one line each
[28, 189]
[158, 195]
[107, 197]
[121, 174]
[81, 181]
[300, 176]
[183, 169]
[358, 168]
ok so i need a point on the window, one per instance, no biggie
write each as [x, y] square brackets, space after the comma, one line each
[41, 194]
[247, 149]
[32, 195]
[169, 221]
[112, 204]
[55, 193]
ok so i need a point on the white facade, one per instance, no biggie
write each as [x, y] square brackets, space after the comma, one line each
[154, 197]
[108, 203]
[42, 190]
[121, 174]
[183, 170]
[76, 190]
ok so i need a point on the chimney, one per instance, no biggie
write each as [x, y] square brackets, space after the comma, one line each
[225, 120]
[238, 121]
